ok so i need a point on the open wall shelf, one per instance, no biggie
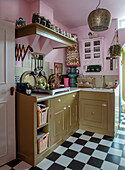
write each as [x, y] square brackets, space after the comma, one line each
[41, 30]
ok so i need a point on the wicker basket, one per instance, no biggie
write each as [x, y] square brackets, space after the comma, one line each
[42, 143]
[42, 116]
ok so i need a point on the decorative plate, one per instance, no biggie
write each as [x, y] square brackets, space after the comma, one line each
[28, 77]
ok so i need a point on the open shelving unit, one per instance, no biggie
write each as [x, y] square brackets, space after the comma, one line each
[28, 130]
[41, 30]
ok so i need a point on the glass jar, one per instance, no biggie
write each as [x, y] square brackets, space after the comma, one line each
[48, 23]
[36, 18]
[43, 20]
[57, 29]
[53, 27]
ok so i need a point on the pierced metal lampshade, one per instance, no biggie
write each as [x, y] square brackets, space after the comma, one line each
[99, 20]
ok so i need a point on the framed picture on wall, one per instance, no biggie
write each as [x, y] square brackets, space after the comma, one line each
[58, 68]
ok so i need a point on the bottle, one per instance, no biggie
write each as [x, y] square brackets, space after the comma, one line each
[116, 83]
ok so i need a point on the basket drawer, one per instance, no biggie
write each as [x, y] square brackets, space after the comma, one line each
[42, 116]
[42, 143]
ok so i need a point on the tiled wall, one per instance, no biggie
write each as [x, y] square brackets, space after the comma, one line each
[107, 79]
[26, 66]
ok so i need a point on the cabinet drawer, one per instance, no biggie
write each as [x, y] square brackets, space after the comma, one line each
[63, 100]
[58, 101]
[71, 97]
[94, 95]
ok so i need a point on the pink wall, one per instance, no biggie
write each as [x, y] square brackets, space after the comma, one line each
[46, 11]
[82, 33]
[121, 34]
[12, 10]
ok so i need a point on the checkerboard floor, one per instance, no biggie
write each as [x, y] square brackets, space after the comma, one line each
[83, 151]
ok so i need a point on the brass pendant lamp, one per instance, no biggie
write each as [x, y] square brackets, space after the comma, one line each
[99, 19]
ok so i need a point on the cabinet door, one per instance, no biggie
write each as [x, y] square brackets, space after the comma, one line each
[74, 114]
[96, 48]
[87, 50]
[72, 118]
[7, 100]
[93, 113]
[57, 124]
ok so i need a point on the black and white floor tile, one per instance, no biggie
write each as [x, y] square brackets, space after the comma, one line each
[83, 151]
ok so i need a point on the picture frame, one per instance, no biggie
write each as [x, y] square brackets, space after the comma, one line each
[59, 67]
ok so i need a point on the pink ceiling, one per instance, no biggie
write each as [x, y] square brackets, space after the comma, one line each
[74, 13]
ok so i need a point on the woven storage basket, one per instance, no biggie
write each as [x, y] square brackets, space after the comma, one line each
[42, 143]
[42, 116]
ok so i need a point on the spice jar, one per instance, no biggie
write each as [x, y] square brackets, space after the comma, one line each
[60, 31]
[36, 18]
[67, 34]
[53, 27]
[70, 35]
[57, 29]
[64, 33]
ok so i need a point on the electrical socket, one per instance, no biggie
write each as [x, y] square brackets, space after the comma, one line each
[110, 83]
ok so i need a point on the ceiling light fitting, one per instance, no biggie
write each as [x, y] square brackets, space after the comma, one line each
[99, 19]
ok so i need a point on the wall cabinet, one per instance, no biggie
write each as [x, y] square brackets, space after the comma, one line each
[92, 52]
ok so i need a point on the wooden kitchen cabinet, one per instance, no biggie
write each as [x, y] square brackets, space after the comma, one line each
[62, 122]
[64, 117]
[27, 130]
[96, 112]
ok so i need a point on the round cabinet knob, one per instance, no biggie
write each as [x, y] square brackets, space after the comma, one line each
[104, 105]
[64, 108]
[69, 106]
[59, 100]
[73, 95]
[92, 113]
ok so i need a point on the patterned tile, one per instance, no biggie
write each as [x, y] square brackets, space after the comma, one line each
[95, 162]
[70, 153]
[113, 158]
[81, 157]
[76, 165]
[63, 160]
[87, 151]
[45, 164]
[83, 150]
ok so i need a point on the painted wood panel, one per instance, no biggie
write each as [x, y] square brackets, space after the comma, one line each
[7, 102]
[3, 129]
[3, 56]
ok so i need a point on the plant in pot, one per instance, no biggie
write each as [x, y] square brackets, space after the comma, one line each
[115, 50]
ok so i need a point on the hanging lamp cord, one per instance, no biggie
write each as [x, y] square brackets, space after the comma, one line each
[98, 4]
